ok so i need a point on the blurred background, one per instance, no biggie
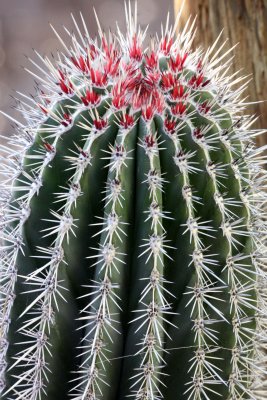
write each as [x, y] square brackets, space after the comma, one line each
[24, 25]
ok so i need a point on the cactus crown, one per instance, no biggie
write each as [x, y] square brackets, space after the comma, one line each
[133, 226]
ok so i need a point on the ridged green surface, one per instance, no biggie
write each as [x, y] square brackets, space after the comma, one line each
[139, 269]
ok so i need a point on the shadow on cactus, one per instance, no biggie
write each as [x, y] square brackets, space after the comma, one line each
[133, 226]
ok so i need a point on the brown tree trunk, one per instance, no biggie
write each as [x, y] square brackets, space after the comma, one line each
[244, 22]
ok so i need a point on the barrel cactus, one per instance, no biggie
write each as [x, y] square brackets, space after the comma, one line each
[132, 225]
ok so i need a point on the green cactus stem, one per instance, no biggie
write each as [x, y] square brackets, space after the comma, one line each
[133, 226]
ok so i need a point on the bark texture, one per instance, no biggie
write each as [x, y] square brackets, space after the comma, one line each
[243, 22]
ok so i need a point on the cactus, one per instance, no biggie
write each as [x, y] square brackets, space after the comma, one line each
[132, 225]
